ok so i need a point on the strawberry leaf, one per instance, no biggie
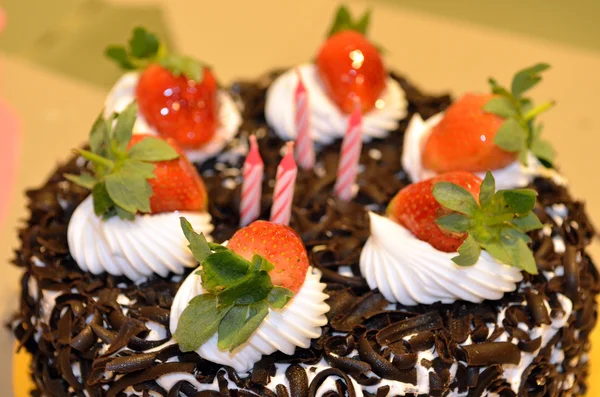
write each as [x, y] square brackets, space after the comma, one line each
[519, 132]
[242, 288]
[497, 223]
[183, 65]
[124, 127]
[143, 44]
[152, 149]
[343, 21]
[527, 78]
[240, 323]
[129, 191]
[120, 56]
[279, 297]
[456, 223]
[199, 321]
[455, 198]
[468, 252]
[84, 180]
[99, 136]
[102, 201]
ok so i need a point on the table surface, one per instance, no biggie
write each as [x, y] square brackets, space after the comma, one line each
[55, 95]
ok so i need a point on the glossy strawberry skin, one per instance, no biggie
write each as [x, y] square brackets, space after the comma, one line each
[350, 66]
[415, 208]
[279, 244]
[464, 139]
[177, 107]
[177, 185]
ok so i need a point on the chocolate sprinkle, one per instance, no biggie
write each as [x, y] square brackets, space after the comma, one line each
[366, 339]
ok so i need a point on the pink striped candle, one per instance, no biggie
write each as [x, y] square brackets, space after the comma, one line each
[350, 155]
[284, 187]
[305, 150]
[252, 185]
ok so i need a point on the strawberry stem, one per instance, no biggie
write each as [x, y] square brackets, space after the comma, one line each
[94, 158]
[530, 115]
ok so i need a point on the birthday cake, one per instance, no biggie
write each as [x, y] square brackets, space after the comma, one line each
[404, 245]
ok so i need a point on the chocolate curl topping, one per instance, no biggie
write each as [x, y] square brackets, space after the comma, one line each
[571, 273]
[380, 365]
[395, 332]
[296, 376]
[126, 364]
[490, 353]
[323, 375]
[538, 309]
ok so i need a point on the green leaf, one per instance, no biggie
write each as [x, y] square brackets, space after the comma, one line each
[254, 287]
[138, 168]
[122, 214]
[197, 242]
[362, 25]
[124, 127]
[152, 149]
[543, 150]
[217, 247]
[102, 201]
[527, 223]
[456, 223]
[129, 191]
[515, 246]
[99, 138]
[527, 78]
[497, 250]
[222, 269]
[511, 136]
[498, 89]
[455, 198]
[261, 263]
[342, 21]
[84, 180]
[487, 190]
[520, 201]
[240, 323]
[468, 252]
[143, 44]
[179, 64]
[501, 106]
[279, 297]
[119, 54]
[198, 322]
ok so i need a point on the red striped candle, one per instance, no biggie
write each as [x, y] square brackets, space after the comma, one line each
[252, 185]
[305, 151]
[350, 155]
[284, 187]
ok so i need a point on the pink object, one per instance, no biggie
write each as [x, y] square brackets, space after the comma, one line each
[252, 185]
[350, 155]
[284, 187]
[9, 127]
[305, 150]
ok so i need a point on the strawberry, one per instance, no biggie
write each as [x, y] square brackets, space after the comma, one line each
[464, 139]
[280, 245]
[415, 208]
[177, 106]
[177, 185]
[349, 65]
[176, 94]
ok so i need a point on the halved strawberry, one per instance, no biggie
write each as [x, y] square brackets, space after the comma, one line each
[177, 185]
[179, 107]
[280, 245]
[415, 208]
[349, 65]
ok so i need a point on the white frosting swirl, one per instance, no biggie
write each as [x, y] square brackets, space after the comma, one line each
[327, 121]
[149, 244]
[511, 176]
[411, 271]
[123, 93]
[281, 330]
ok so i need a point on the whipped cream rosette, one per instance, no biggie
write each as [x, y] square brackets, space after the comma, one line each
[411, 255]
[140, 187]
[232, 311]
[482, 132]
[179, 97]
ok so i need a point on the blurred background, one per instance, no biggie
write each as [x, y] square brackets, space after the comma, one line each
[54, 77]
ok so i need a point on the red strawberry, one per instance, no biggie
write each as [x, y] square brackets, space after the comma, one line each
[178, 107]
[415, 208]
[280, 245]
[177, 185]
[350, 66]
[464, 139]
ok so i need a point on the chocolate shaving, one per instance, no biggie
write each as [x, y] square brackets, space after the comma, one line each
[318, 380]
[381, 366]
[298, 381]
[395, 332]
[571, 274]
[538, 309]
[530, 346]
[490, 353]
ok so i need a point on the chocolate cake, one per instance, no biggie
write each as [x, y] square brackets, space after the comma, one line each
[108, 335]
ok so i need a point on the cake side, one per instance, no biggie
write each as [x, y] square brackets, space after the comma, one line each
[74, 322]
